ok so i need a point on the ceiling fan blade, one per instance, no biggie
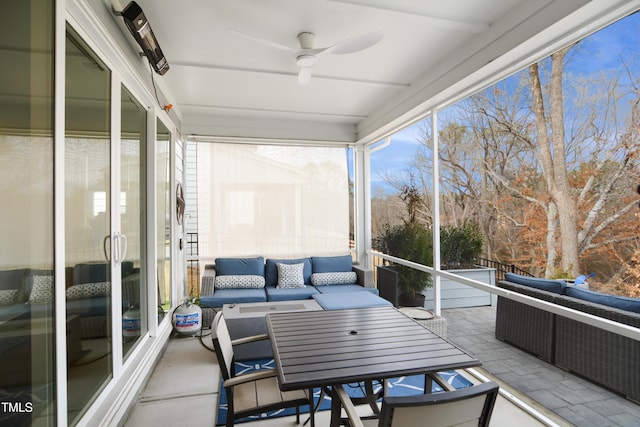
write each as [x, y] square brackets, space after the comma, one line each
[263, 41]
[304, 76]
[355, 44]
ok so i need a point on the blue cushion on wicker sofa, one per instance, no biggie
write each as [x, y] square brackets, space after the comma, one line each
[335, 289]
[620, 302]
[240, 266]
[330, 264]
[271, 269]
[343, 300]
[288, 294]
[12, 279]
[549, 285]
[232, 296]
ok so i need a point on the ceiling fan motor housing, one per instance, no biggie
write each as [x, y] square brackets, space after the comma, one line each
[306, 40]
[306, 61]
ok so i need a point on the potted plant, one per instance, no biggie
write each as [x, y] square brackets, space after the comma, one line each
[399, 284]
[460, 246]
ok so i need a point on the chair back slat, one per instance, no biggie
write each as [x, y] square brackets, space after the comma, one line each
[472, 406]
[462, 414]
[222, 345]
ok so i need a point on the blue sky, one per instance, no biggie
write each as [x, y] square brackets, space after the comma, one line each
[603, 50]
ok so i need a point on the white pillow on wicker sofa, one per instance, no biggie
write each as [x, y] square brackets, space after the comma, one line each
[290, 276]
[239, 281]
[88, 290]
[41, 290]
[334, 278]
[8, 296]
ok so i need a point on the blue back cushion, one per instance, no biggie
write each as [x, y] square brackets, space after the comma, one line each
[549, 285]
[271, 269]
[240, 266]
[331, 264]
[622, 303]
[91, 273]
[12, 279]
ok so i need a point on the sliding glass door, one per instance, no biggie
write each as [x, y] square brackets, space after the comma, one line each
[133, 214]
[100, 272]
[88, 241]
[27, 374]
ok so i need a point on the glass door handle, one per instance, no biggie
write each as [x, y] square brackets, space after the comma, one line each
[122, 246]
[104, 247]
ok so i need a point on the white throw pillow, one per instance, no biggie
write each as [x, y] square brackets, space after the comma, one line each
[42, 290]
[240, 281]
[88, 290]
[290, 276]
[335, 278]
[8, 296]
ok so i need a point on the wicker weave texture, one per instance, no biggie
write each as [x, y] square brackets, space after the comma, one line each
[603, 357]
[526, 327]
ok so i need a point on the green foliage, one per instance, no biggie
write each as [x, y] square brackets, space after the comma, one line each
[460, 246]
[412, 242]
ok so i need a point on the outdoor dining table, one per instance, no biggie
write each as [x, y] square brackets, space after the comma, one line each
[334, 347]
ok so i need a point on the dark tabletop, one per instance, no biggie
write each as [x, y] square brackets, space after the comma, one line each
[321, 348]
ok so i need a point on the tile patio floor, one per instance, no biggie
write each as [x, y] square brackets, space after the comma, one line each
[183, 389]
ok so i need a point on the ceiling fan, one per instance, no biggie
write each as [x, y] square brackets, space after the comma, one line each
[306, 55]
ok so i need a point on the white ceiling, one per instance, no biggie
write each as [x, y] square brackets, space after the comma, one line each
[222, 84]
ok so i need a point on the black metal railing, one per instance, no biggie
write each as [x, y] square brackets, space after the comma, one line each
[501, 268]
[193, 265]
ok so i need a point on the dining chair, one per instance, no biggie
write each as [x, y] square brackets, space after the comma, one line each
[255, 392]
[470, 406]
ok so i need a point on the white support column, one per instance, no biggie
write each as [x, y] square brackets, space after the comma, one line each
[362, 205]
[152, 246]
[60, 301]
[116, 228]
[436, 214]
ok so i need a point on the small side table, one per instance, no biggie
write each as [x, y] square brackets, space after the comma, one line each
[436, 324]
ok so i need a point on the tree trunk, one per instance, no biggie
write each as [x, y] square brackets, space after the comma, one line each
[552, 253]
[551, 145]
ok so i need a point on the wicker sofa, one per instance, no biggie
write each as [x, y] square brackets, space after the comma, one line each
[254, 279]
[27, 293]
[603, 357]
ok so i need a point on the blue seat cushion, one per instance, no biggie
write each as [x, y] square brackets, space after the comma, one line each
[271, 269]
[332, 289]
[89, 307]
[330, 264]
[240, 266]
[549, 285]
[619, 302]
[17, 311]
[344, 300]
[233, 296]
[289, 294]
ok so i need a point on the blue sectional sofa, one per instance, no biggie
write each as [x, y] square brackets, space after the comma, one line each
[27, 293]
[603, 357]
[254, 279]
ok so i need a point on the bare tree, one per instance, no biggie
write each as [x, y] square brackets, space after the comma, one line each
[546, 163]
[551, 150]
